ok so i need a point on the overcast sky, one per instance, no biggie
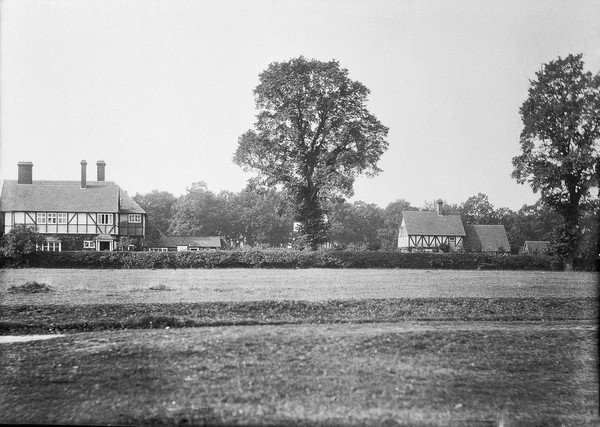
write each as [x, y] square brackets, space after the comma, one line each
[161, 90]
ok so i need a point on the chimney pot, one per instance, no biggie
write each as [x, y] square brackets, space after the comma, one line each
[101, 164]
[25, 175]
[83, 174]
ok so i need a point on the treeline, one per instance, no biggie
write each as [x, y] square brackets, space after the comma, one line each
[263, 217]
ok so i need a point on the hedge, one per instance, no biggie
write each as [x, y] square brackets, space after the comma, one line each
[283, 258]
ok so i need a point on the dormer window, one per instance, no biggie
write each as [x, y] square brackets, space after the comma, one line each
[135, 218]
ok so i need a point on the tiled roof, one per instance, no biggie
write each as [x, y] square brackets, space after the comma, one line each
[192, 241]
[429, 223]
[65, 196]
[486, 238]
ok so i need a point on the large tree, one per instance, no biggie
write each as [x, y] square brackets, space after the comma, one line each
[313, 136]
[560, 142]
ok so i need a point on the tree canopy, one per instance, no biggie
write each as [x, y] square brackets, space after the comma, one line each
[560, 141]
[313, 136]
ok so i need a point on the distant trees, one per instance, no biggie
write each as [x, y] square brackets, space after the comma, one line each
[560, 143]
[258, 216]
[357, 224]
[313, 136]
[158, 205]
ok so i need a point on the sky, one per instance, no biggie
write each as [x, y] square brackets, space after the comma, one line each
[162, 90]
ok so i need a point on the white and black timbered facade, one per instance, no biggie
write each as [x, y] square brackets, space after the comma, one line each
[428, 230]
[89, 215]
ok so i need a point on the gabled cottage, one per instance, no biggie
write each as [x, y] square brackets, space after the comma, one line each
[486, 238]
[428, 230]
[92, 215]
[188, 243]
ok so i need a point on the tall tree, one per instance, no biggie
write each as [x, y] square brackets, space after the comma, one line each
[560, 142]
[313, 136]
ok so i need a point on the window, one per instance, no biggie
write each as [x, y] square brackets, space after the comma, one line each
[41, 217]
[51, 218]
[135, 218]
[105, 219]
[89, 244]
[51, 246]
[159, 250]
[62, 218]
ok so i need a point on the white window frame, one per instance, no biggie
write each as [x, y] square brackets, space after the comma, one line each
[159, 250]
[135, 218]
[104, 219]
[51, 218]
[51, 247]
[62, 218]
[41, 218]
[89, 244]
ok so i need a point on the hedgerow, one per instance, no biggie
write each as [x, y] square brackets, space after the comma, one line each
[283, 258]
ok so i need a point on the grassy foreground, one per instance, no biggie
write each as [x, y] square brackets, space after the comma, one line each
[423, 373]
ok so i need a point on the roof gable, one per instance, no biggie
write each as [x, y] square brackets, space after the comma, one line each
[429, 223]
[65, 196]
[486, 238]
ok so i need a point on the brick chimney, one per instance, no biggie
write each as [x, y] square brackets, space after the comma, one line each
[25, 173]
[438, 207]
[101, 167]
[83, 174]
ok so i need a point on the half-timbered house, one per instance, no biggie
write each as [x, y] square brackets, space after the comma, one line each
[73, 215]
[428, 230]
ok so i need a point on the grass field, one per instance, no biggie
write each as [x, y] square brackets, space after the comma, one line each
[319, 347]
[139, 286]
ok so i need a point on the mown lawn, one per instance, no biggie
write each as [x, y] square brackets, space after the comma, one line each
[410, 373]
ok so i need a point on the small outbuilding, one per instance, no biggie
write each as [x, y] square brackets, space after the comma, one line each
[486, 238]
[188, 243]
[535, 247]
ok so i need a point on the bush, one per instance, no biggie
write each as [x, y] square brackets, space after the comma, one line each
[19, 242]
[30, 288]
[286, 258]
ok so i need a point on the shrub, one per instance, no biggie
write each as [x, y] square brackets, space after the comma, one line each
[30, 288]
[19, 242]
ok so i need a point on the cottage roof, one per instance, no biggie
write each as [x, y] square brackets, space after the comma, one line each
[66, 196]
[192, 241]
[486, 238]
[429, 223]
